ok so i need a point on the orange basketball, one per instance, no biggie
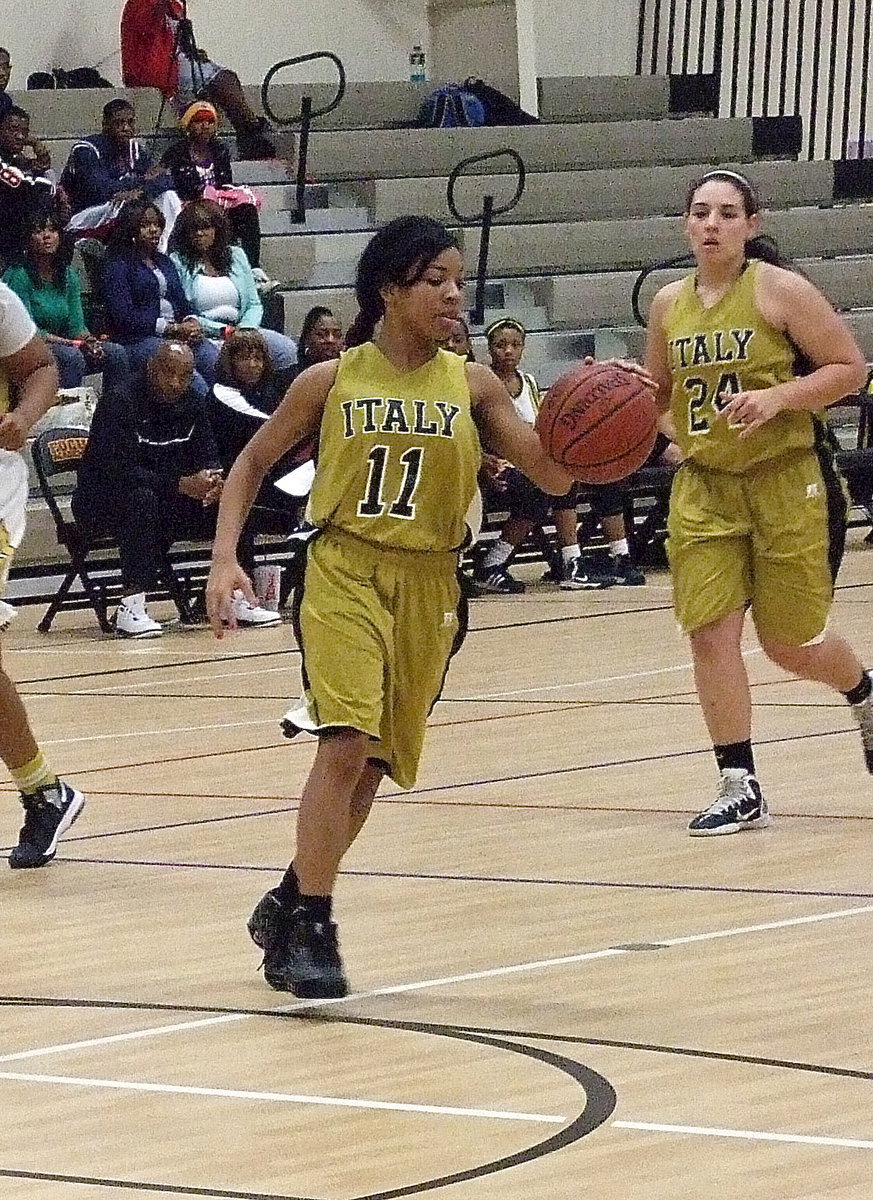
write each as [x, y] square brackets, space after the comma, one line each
[599, 422]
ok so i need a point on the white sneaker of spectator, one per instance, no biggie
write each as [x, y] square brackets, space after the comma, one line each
[132, 619]
[247, 614]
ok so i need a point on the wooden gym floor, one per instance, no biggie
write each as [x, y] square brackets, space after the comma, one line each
[557, 992]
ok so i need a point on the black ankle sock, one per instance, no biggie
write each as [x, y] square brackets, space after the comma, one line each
[317, 908]
[736, 756]
[288, 891]
[861, 691]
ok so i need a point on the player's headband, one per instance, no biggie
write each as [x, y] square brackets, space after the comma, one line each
[505, 323]
[720, 174]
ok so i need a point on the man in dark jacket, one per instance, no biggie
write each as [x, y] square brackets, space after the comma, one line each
[24, 186]
[151, 477]
[113, 166]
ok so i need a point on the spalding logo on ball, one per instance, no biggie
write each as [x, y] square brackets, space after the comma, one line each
[599, 421]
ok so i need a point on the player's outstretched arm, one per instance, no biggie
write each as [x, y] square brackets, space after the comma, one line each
[298, 416]
[503, 432]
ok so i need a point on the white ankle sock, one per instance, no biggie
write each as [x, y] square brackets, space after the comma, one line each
[619, 548]
[569, 553]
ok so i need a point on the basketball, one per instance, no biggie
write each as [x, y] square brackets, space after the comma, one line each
[599, 421]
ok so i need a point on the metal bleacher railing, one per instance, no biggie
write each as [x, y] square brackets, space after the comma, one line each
[304, 118]
[800, 68]
[485, 216]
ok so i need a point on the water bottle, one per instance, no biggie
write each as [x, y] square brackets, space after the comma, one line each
[417, 71]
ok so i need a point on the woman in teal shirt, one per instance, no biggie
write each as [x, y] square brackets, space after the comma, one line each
[218, 280]
[50, 291]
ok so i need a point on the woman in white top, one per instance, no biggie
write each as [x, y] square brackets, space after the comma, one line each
[218, 280]
[508, 488]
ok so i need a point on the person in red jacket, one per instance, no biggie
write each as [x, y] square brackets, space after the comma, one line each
[158, 50]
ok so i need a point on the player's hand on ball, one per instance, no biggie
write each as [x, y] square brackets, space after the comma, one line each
[628, 365]
[748, 411]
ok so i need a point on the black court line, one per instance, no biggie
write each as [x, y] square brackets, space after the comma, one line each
[600, 1102]
[409, 797]
[754, 1060]
[389, 1023]
[143, 1186]
[292, 649]
[521, 880]
[252, 656]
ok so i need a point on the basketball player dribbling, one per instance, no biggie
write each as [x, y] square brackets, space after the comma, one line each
[757, 512]
[28, 389]
[379, 612]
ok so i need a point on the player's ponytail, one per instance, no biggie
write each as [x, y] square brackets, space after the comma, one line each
[399, 253]
[765, 248]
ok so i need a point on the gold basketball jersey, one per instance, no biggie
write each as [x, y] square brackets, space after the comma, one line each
[715, 353]
[4, 392]
[398, 452]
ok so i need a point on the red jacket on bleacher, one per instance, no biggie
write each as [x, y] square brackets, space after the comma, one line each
[147, 37]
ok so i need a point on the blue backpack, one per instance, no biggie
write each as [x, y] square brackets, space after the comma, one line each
[452, 107]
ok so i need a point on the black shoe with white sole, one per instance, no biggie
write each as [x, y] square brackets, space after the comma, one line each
[48, 813]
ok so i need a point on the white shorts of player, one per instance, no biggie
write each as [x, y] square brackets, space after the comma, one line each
[13, 519]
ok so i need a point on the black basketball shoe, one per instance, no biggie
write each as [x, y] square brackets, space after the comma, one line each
[300, 955]
[739, 804]
[48, 812]
[863, 714]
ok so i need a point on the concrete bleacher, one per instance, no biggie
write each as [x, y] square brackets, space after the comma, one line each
[606, 178]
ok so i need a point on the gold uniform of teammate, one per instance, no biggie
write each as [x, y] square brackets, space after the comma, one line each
[757, 521]
[378, 617]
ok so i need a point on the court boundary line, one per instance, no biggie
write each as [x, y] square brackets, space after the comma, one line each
[745, 1134]
[439, 1110]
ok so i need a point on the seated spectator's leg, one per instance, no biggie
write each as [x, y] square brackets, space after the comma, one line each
[206, 360]
[93, 253]
[133, 518]
[246, 226]
[115, 365]
[578, 570]
[528, 506]
[253, 136]
[608, 504]
[283, 349]
[72, 367]
[169, 205]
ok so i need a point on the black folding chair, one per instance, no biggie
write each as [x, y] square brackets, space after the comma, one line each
[57, 455]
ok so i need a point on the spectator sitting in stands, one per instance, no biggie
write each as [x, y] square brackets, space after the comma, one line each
[110, 168]
[19, 148]
[201, 168]
[217, 280]
[507, 488]
[321, 338]
[151, 477]
[608, 503]
[460, 341]
[5, 73]
[143, 298]
[246, 393]
[51, 293]
[24, 187]
[158, 50]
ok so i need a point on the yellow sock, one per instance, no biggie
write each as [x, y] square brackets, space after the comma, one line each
[34, 774]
